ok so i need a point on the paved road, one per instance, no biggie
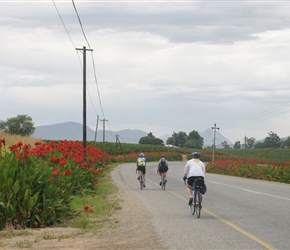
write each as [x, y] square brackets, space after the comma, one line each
[238, 213]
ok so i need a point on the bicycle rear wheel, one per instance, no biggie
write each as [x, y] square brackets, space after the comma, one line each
[163, 186]
[198, 203]
[141, 180]
[193, 205]
[192, 209]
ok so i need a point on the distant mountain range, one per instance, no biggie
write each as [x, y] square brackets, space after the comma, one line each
[74, 131]
[208, 137]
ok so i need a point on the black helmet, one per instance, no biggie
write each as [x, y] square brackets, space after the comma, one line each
[141, 155]
[195, 155]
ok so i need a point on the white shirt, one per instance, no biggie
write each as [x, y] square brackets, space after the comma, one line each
[194, 167]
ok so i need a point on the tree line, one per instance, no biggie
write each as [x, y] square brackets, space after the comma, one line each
[180, 139]
[24, 126]
[271, 141]
[194, 140]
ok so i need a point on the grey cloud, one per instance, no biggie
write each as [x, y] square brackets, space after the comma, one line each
[196, 22]
[178, 22]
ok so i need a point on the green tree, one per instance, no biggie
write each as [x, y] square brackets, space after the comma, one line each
[151, 139]
[194, 140]
[259, 144]
[169, 141]
[272, 140]
[286, 143]
[177, 139]
[250, 142]
[225, 144]
[20, 125]
[237, 144]
[180, 139]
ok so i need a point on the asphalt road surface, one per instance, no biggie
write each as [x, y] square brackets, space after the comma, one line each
[238, 213]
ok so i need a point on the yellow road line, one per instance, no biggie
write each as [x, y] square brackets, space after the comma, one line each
[251, 236]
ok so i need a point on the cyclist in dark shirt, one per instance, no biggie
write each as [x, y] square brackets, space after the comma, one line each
[162, 168]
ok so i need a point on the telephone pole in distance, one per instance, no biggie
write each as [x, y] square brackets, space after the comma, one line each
[213, 148]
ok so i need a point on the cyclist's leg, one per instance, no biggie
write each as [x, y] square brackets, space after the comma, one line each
[160, 178]
[138, 172]
[190, 182]
[166, 173]
[189, 190]
[189, 185]
[160, 175]
[144, 175]
[161, 171]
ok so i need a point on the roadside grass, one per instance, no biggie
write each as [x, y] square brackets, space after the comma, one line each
[13, 139]
[100, 206]
[23, 244]
[99, 218]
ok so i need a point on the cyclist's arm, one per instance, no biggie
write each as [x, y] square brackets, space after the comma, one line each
[186, 169]
[203, 168]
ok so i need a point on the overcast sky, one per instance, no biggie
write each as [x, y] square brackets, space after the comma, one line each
[161, 66]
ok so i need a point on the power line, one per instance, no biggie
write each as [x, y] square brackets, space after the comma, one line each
[59, 15]
[81, 24]
[253, 117]
[95, 74]
[63, 24]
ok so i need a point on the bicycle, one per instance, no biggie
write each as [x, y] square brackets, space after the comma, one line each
[163, 181]
[196, 206]
[141, 180]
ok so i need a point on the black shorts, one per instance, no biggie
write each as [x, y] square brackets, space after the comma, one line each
[142, 168]
[163, 169]
[191, 179]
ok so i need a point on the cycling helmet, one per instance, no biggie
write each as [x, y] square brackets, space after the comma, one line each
[141, 155]
[195, 155]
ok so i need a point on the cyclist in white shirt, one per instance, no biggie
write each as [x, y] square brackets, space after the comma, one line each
[193, 169]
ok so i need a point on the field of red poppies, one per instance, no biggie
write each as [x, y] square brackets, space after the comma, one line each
[38, 183]
[255, 168]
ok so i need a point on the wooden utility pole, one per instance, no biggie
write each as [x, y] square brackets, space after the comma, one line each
[117, 144]
[214, 137]
[84, 96]
[104, 120]
[96, 130]
[245, 145]
[117, 140]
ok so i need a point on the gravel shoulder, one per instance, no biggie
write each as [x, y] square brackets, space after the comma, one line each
[133, 229]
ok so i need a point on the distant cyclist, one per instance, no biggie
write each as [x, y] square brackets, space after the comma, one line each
[162, 168]
[193, 169]
[141, 166]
